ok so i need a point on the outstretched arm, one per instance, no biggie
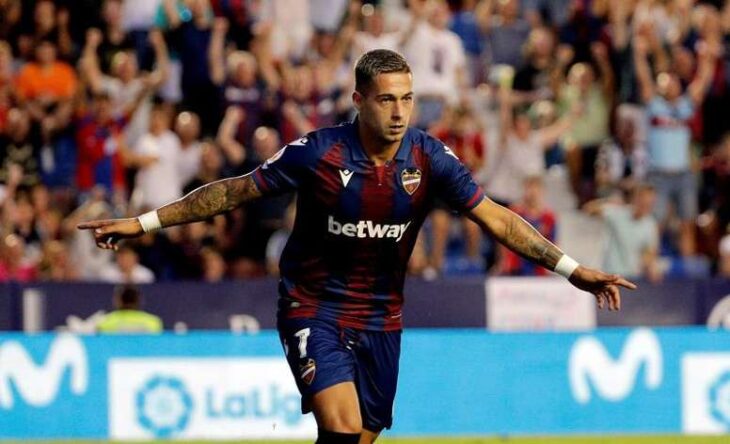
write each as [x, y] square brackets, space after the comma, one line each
[203, 203]
[209, 200]
[519, 236]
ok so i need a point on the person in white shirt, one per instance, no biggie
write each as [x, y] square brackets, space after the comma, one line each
[374, 34]
[437, 59]
[126, 269]
[157, 155]
[187, 128]
[126, 82]
[521, 149]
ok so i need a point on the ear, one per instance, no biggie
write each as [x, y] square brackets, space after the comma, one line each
[357, 99]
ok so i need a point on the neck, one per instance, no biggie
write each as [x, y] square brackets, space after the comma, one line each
[377, 150]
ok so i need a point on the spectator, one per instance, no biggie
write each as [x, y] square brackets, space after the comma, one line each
[504, 29]
[15, 265]
[55, 265]
[100, 148]
[622, 160]
[536, 78]
[49, 23]
[126, 83]
[437, 58]
[234, 152]
[213, 264]
[190, 27]
[113, 37]
[633, 235]
[83, 253]
[245, 83]
[461, 132]
[7, 75]
[157, 156]
[19, 149]
[717, 181]
[126, 269]
[593, 96]
[127, 316]
[374, 34]
[669, 110]
[45, 88]
[187, 129]
[724, 267]
[534, 210]
[521, 150]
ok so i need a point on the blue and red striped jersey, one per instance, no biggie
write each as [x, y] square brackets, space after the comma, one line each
[357, 223]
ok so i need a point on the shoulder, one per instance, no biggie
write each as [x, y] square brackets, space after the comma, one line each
[321, 140]
[430, 145]
[65, 69]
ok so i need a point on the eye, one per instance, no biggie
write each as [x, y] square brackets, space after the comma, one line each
[408, 99]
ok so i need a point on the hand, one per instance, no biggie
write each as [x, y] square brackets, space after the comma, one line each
[156, 39]
[565, 54]
[605, 287]
[599, 51]
[107, 233]
[15, 175]
[641, 46]
[235, 114]
[220, 25]
[62, 18]
[93, 37]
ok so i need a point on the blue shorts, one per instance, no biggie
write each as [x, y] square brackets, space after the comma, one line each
[321, 354]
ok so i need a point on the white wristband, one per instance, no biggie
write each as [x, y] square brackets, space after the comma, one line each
[150, 222]
[566, 266]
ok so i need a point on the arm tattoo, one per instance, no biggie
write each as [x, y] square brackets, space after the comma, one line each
[523, 239]
[209, 200]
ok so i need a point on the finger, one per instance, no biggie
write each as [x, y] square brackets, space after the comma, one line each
[616, 296]
[94, 224]
[625, 283]
[599, 299]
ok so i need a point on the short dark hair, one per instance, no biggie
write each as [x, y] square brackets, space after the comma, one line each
[378, 61]
[128, 296]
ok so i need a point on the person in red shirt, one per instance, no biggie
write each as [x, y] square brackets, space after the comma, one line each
[533, 209]
[461, 132]
[101, 143]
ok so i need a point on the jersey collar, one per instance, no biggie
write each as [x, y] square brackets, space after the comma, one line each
[357, 152]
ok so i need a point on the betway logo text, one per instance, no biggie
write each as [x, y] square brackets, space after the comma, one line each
[38, 384]
[366, 228]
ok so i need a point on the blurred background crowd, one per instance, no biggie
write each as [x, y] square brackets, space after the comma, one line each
[600, 122]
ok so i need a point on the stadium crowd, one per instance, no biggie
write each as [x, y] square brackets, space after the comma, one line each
[114, 107]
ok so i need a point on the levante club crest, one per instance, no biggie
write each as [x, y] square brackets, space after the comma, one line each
[410, 178]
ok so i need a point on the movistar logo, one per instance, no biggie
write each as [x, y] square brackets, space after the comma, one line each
[614, 379]
[366, 228]
[39, 384]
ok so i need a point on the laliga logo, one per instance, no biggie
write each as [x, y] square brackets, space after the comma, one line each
[720, 399]
[164, 406]
[614, 380]
[38, 385]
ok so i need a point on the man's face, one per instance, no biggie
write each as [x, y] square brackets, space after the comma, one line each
[45, 53]
[644, 202]
[669, 86]
[385, 107]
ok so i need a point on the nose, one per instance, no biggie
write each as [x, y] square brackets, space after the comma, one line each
[397, 111]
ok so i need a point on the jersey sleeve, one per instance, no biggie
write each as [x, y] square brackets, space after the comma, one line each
[454, 184]
[286, 170]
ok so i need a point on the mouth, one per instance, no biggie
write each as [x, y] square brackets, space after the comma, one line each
[396, 128]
